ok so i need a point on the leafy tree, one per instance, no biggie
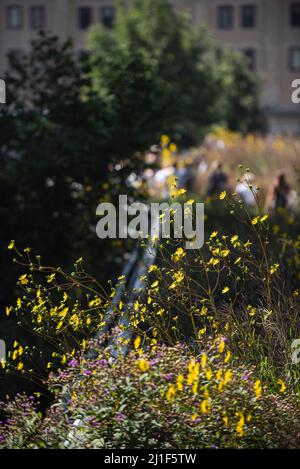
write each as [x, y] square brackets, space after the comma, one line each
[54, 154]
[53, 158]
[54, 149]
[241, 87]
[176, 88]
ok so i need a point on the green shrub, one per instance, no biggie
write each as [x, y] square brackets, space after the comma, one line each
[165, 397]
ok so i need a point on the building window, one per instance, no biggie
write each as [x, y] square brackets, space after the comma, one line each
[219, 54]
[248, 16]
[107, 16]
[37, 17]
[225, 17]
[250, 55]
[294, 59]
[14, 18]
[84, 17]
[295, 14]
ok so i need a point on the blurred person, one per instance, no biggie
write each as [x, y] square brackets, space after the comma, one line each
[161, 180]
[185, 175]
[151, 158]
[217, 181]
[202, 167]
[246, 189]
[280, 194]
[149, 181]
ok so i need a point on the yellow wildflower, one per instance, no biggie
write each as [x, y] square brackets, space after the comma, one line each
[137, 342]
[274, 269]
[23, 279]
[282, 385]
[208, 374]
[165, 140]
[179, 382]
[195, 387]
[240, 426]
[251, 310]
[170, 393]
[257, 388]
[213, 261]
[178, 278]
[205, 406]
[179, 254]
[221, 347]
[227, 376]
[50, 278]
[144, 365]
[178, 192]
[225, 420]
[11, 244]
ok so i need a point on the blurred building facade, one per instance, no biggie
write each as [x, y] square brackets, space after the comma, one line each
[266, 31]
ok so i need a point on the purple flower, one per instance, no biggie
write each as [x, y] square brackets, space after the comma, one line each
[87, 372]
[198, 420]
[102, 362]
[120, 416]
[73, 363]
[93, 422]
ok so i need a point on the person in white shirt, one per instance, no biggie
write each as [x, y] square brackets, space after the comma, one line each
[246, 189]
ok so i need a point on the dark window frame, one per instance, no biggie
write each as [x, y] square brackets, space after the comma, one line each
[42, 8]
[220, 23]
[253, 59]
[80, 9]
[294, 24]
[290, 59]
[8, 23]
[102, 16]
[243, 24]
